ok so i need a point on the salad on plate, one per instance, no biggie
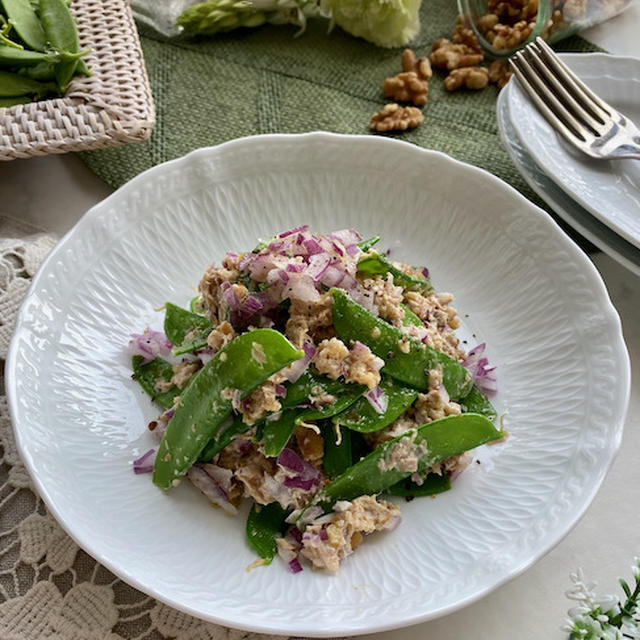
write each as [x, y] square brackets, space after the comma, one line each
[317, 378]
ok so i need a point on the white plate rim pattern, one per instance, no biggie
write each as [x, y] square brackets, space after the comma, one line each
[532, 128]
[96, 217]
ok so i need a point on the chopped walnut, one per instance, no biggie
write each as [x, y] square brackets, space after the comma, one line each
[448, 55]
[499, 73]
[310, 443]
[463, 34]
[220, 336]
[421, 66]
[393, 117]
[470, 77]
[407, 87]
[504, 36]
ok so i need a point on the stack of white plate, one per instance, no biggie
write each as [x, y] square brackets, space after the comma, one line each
[598, 198]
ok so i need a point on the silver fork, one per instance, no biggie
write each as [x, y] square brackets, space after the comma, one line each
[584, 120]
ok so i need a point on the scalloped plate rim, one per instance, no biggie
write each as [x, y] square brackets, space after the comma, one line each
[93, 214]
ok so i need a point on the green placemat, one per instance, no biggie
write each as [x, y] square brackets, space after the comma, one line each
[267, 81]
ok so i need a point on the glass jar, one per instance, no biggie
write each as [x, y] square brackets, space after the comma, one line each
[504, 26]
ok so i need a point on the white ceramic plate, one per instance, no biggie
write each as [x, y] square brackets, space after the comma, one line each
[571, 212]
[530, 293]
[610, 190]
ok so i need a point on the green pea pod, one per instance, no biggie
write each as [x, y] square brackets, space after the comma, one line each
[42, 72]
[26, 23]
[180, 323]
[365, 245]
[62, 33]
[14, 84]
[476, 402]
[433, 483]
[378, 264]
[277, 432]
[147, 374]
[361, 416]
[354, 322]
[431, 443]
[195, 305]
[337, 457]
[12, 102]
[264, 525]
[12, 57]
[239, 366]
[297, 393]
[224, 436]
[83, 69]
[410, 318]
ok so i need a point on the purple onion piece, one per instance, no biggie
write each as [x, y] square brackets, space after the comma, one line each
[295, 566]
[377, 399]
[281, 391]
[150, 344]
[302, 475]
[145, 463]
[290, 232]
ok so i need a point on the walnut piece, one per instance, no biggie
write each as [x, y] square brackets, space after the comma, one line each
[407, 87]
[448, 55]
[463, 34]
[499, 73]
[393, 117]
[421, 66]
[470, 77]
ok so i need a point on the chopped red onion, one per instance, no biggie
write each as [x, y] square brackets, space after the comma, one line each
[215, 482]
[377, 399]
[425, 272]
[205, 355]
[302, 287]
[295, 566]
[296, 534]
[377, 363]
[290, 232]
[145, 463]
[281, 391]
[302, 475]
[295, 267]
[444, 394]
[243, 263]
[312, 246]
[318, 266]
[229, 295]
[323, 534]
[236, 399]
[150, 344]
[293, 371]
[481, 371]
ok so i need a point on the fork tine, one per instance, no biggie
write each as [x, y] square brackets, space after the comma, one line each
[596, 124]
[546, 102]
[597, 107]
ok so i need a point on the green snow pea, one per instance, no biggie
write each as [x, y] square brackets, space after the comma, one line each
[195, 304]
[11, 102]
[477, 402]
[354, 322]
[206, 402]
[337, 457]
[442, 439]
[411, 318]
[297, 393]
[26, 23]
[361, 416]
[147, 374]
[14, 84]
[365, 245]
[433, 483]
[264, 524]
[12, 57]
[379, 264]
[62, 34]
[277, 432]
[180, 324]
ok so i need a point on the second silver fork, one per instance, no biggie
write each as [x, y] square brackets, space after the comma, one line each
[584, 120]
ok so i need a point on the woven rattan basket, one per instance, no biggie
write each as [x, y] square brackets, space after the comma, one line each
[112, 107]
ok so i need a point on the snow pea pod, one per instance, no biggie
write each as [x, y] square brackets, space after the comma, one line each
[146, 375]
[361, 416]
[378, 264]
[14, 84]
[432, 484]
[477, 402]
[337, 457]
[277, 432]
[365, 245]
[26, 23]
[180, 324]
[12, 57]
[265, 524]
[410, 318]
[11, 102]
[431, 443]
[406, 359]
[61, 32]
[234, 426]
[236, 369]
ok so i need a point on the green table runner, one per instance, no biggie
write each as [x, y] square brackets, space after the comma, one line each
[267, 81]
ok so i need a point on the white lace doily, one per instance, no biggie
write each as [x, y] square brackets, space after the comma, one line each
[49, 588]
